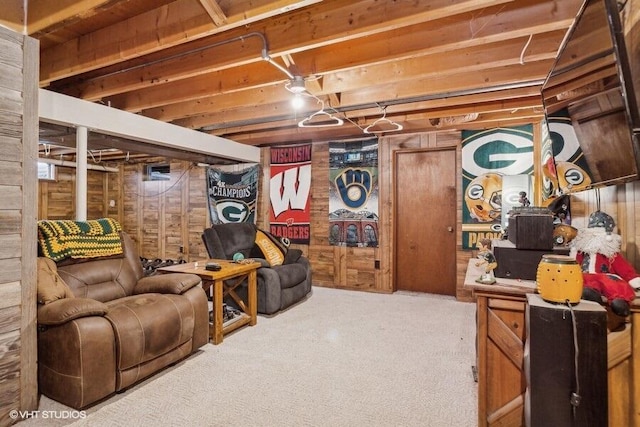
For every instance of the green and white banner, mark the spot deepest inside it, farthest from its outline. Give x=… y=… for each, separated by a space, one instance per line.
x=232 y=193
x=488 y=156
x=571 y=168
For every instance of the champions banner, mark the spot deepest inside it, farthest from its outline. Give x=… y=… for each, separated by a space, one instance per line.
x=353 y=193
x=289 y=192
x=487 y=157
x=232 y=193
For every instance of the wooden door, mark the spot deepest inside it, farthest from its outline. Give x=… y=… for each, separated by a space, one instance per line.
x=425 y=221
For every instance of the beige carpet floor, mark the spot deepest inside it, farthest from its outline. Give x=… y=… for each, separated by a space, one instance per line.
x=340 y=358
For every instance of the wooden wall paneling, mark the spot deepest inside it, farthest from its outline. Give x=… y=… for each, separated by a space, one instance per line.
x=18 y=212
x=150 y=207
x=173 y=215
x=635 y=217
x=112 y=185
x=95 y=194
x=619 y=387
x=635 y=368
x=263 y=208
x=384 y=253
x=132 y=198
x=626 y=225
x=28 y=333
x=160 y=224
x=198 y=215
x=57 y=198
x=43 y=199
x=321 y=255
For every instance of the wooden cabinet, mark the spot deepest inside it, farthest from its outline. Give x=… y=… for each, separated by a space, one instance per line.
x=501 y=335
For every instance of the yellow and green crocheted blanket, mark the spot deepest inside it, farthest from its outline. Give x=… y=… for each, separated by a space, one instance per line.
x=60 y=239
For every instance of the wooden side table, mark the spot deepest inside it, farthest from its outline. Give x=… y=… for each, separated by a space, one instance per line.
x=216 y=279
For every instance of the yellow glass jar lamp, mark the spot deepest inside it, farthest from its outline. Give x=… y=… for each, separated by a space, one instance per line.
x=559 y=278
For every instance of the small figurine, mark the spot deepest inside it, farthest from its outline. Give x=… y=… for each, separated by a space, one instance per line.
x=524 y=201
x=488 y=260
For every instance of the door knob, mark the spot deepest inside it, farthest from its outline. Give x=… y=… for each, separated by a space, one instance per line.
x=450 y=229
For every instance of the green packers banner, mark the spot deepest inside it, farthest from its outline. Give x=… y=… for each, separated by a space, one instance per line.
x=547 y=160
x=353 y=193
x=570 y=170
x=289 y=193
x=232 y=193
x=487 y=157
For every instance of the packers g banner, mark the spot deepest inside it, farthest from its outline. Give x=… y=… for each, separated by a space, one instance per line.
x=289 y=193
x=547 y=160
x=232 y=193
x=571 y=168
x=353 y=193
x=488 y=156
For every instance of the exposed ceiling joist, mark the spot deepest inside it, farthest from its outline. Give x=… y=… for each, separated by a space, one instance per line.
x=171 y=60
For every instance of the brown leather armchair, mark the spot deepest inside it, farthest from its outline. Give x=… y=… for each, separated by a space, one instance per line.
x=118 y=328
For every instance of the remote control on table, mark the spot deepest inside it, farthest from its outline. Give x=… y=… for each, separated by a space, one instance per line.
x=213 y=266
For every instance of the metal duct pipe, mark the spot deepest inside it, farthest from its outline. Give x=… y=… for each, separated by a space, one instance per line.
x=70 y=164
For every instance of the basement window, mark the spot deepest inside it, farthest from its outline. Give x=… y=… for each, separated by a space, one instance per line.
x=157 y=172
x=46 y=171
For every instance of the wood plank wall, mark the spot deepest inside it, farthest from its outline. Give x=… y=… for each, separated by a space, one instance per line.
x=18 y=152
x=165 y=216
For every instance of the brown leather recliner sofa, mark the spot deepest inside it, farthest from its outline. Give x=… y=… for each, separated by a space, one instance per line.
x=118 y=328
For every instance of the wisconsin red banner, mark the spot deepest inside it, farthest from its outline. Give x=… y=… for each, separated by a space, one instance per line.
x=290 y=186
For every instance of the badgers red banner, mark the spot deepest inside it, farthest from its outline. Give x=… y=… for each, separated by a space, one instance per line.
x=290 y=187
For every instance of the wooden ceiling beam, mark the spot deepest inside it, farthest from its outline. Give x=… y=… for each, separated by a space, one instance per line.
x=468 y=60
x=169 y=25
x=229 y=119
x=407 y=89
x=418 y=40
x=434 y=110
x=261 y=74
x=295 y=134
x=182 y=21
x=47 y=14
x=447 y=85
x=215 y=12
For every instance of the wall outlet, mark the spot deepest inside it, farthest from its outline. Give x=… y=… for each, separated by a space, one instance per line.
x=181 y=249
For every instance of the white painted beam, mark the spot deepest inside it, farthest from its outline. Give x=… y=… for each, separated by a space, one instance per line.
x=81 y=173
x=68 y=111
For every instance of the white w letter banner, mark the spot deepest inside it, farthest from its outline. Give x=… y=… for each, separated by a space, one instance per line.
x=232 y=193
x=353 y=193
x=487 y=157
x=289 y=190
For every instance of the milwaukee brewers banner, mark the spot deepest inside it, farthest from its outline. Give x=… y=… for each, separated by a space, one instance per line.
x=289 y=191
x=488 y=156
x=353 y=193
x=232 y=193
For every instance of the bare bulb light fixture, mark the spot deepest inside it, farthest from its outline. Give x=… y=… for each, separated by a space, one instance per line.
x=296 y=85
x=297 y=102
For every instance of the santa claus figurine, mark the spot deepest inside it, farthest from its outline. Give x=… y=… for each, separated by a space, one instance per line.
x=605 y=271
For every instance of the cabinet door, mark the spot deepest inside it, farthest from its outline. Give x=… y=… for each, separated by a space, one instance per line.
x=502 y=383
